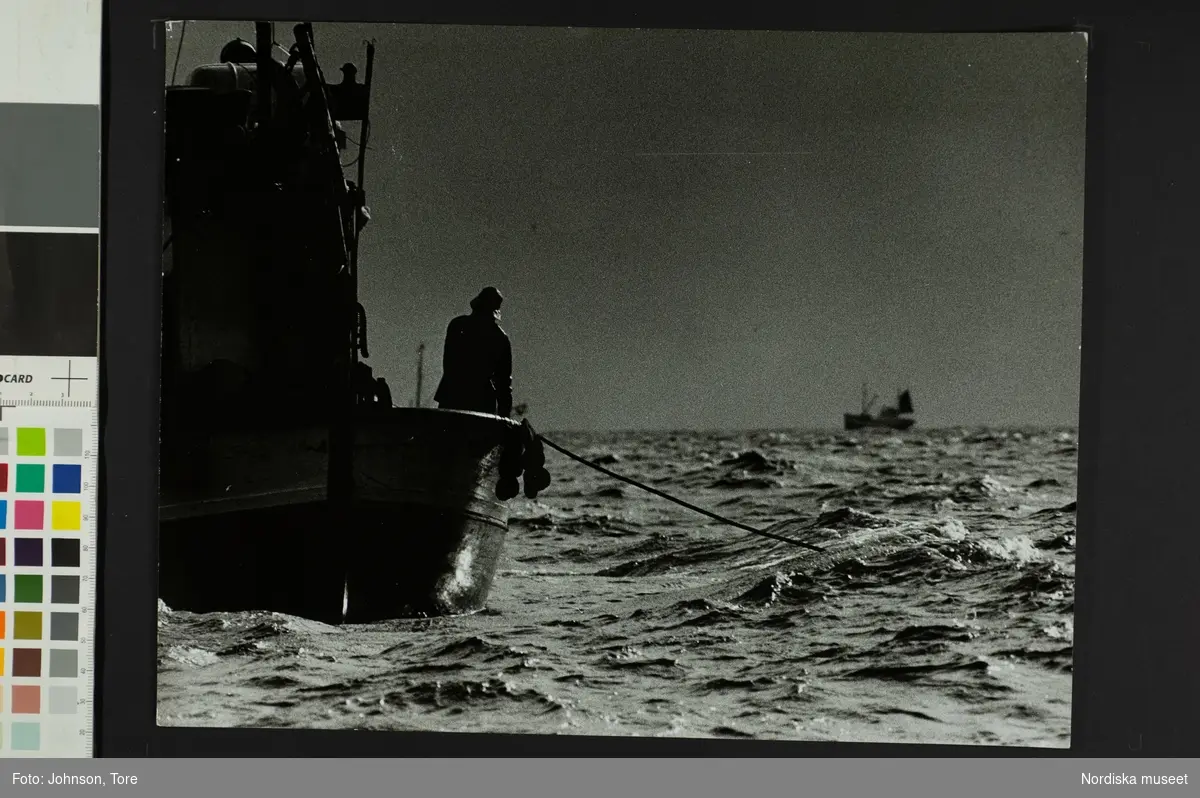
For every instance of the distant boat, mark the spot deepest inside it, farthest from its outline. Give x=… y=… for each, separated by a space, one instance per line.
x=897 y=418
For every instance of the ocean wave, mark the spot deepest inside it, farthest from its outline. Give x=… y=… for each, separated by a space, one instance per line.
x=459 y=694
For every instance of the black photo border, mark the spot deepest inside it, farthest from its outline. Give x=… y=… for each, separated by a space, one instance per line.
x=1136 y=688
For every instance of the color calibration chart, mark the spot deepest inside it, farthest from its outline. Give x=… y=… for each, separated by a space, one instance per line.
x=50 y=64
x=49 y=428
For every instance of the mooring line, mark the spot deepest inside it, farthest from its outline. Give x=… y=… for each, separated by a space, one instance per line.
x=671 y=498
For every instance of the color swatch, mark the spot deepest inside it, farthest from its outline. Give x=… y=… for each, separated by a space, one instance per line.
x=47 y=559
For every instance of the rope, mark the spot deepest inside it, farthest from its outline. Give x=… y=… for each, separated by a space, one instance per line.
x=670 y=498
x=179 y=51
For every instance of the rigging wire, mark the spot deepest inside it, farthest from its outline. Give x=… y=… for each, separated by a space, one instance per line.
x=178 y=51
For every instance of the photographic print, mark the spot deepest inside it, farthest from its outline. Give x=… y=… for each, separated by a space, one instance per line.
x=615 y=382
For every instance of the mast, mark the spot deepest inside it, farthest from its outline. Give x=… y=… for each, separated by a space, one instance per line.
x=263 y=45
x=420 y=370
x=345 y=301
x=364 y=132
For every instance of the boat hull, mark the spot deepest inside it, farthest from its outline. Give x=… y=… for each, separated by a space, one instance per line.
x=420 y=561
x=854 y=421
x=285 y=558
x=429 y=526
x=422 y=536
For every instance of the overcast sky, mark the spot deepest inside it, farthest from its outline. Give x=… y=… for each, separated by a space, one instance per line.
x=726 y=230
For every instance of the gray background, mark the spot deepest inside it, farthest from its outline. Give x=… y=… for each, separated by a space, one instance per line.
x=49 y=165
x=1135 y=681
x=687 y=778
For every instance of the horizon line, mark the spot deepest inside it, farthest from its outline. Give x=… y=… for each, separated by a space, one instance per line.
x=821 y=430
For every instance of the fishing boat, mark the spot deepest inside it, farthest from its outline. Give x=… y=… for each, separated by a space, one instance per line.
x=893 y=418
x=288 y=480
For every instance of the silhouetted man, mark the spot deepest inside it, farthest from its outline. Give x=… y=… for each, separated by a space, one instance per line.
x=477 y=360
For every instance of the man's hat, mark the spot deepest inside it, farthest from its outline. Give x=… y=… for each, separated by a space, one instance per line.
x=488 y=299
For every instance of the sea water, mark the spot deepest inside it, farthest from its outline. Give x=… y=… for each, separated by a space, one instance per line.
x=941 y=610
